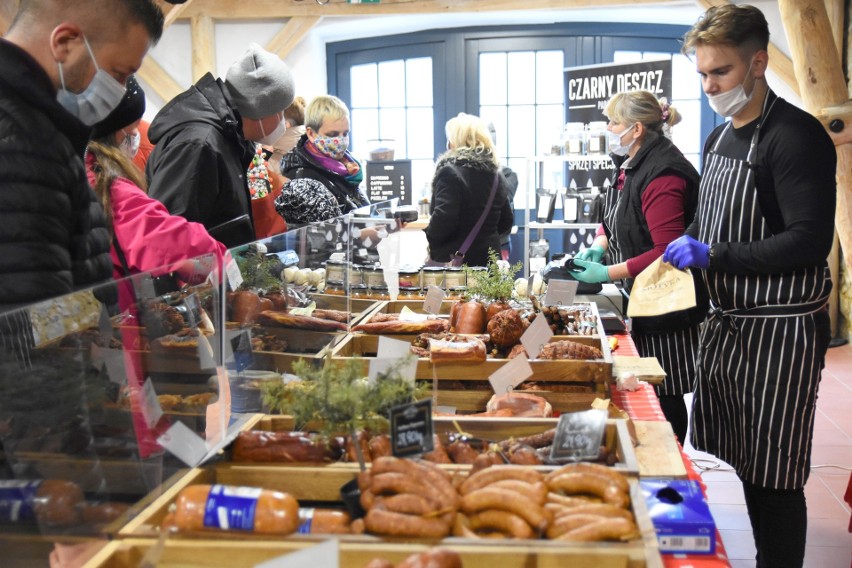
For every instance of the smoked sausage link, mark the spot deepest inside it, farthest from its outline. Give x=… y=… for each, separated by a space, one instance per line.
x=274 y=512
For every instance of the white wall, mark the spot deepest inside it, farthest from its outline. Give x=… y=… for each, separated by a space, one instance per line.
x=308 y=60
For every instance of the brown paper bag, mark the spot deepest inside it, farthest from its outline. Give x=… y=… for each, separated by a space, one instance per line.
x=661 y=289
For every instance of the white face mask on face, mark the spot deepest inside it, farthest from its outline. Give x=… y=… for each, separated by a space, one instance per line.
x=615 y=145
x=732 y=102
x=98 y=100
x=130 y=144
x=272 y=137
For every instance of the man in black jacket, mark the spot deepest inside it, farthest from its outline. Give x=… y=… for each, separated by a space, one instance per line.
x=205 y=140
x=62 y=68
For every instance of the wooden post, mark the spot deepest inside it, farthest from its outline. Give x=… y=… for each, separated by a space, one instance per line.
x=822 y=85
x=203 y=46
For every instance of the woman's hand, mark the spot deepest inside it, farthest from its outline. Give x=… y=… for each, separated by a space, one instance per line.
x=593 y=272
x=594 y=253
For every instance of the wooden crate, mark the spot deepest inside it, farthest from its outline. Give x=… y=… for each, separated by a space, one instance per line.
x=175 y=553
x=322 y=483
x=616 y=435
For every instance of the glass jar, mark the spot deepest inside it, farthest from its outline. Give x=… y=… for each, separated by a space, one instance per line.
x=456 y=293
x=454 y=277
x=410 y=293
x=433 y=276
x=409 y=276
x=355 y=274
x=597 y=140
x=373 y=276
x=358 y=292
x=474 y=275
x=378 y=293
x=335 y=270
x=335 y=287
x=574 y=138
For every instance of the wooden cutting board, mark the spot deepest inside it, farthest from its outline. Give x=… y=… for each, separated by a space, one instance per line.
x=657 y=453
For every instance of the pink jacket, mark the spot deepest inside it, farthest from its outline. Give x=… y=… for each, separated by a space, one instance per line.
x=152 y=239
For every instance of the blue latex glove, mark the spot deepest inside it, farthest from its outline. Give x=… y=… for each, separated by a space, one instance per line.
x=594 y=272
x=594 y=253
x=686 y=251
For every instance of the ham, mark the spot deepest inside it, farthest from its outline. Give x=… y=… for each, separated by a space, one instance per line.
x=521 y=404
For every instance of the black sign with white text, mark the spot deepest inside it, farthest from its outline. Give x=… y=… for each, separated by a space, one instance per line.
x=389 y=180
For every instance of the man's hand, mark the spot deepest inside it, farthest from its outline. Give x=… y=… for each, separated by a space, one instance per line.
x=594 y=253
x=686 y=251
x=593 y=272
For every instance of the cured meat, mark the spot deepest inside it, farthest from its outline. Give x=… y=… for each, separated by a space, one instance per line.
x=506 y=328
x=407 y=327
x=521 y=404
x=300 y=322
x=567 y=349
x=333 y=315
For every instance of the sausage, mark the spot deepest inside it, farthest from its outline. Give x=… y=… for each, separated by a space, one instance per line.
x=461 y=452
x=275 y=512
x=485 y=460
x=407 y=503
x=438 y=453
x=597 y=469
x=524 y=455
x=102 y=513
x=435 y=483
x=367 y=499
x=406 y=327
x=379 y=563
x=323 y=521
x=389 y=523
x=363 y=442
x=505 y=500
x=379 y=446
x=399 y=483
x=496 y=473
x=286 y=447
x=536 y=440
x=601 y=509
x=55 y=501
x=569 y=501
x=567 y=523
x=576 y=482
x=434 y=558
x=535 y=492
x=505 y=522
x=286 y=319
x=604 y=529
x=434 y=476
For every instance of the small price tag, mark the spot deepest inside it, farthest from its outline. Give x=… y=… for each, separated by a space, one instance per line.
x=151 y=409
x=205 y=354
x=510 y=375
x=536 y=335
x=560 y=292
x=243 y=354
x=114 y=361
x=326 y=555
x=193 y=310
x=389 y=352
x=432 y=303
x=185 y=444
x=579 y=435
x=407 y=314
x=411 y=428
x=232 y=271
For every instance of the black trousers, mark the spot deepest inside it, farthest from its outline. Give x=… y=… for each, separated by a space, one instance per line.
x=779 y=521
x=674 y=409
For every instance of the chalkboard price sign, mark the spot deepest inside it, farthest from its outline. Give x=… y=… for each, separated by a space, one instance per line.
x=243 y=354
x=411 y=428
x=579 y=435
x=389 y=180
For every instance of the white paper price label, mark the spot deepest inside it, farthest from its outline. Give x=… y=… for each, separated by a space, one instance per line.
x=326 y=555
x=432 y=303
x=151 y=410
x=560 y=292
x=114 y=361
x=510 y=375
x=232 y=271
x=406 y=314
x=185 y=444
x=389 y=352
x=536 y=335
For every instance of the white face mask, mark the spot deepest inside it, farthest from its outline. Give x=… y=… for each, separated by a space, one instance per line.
x=615 y=145
x=98 y=100
x=732 y=102
x=272 y=137
x=130 y=144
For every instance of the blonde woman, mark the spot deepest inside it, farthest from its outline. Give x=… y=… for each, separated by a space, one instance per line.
x=461 y=190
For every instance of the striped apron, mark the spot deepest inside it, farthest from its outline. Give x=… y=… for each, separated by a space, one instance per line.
x=675 y=350
x=763 y=347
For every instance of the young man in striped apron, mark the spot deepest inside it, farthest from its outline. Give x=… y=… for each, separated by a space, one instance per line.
x=763 y=230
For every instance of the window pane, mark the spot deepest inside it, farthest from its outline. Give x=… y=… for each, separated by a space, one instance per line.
x=686 y=82
x=422 y=172
x=392 y=127
x=548 y=77
x=686 y=134
x=627 y=56
x=492 y=79
x=520 y=166
x=418 y=77
x=549 y=124
x=421 y=141
x=497 y=116
x=392 y=83
x=521 y=137
x=521 y=68
x=365 y=126
x=364 y=85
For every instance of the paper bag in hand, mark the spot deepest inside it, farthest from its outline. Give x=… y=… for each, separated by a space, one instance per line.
x=661 y=289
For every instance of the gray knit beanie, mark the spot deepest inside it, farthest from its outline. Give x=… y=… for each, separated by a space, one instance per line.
x=260 y=84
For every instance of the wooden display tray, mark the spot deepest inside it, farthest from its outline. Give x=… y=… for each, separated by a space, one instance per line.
x=616 y=436
x=315 y=484
x=177 y=553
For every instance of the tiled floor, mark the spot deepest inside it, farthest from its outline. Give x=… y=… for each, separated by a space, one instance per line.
x=829 y=544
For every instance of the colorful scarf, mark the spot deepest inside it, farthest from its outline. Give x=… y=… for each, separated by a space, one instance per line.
x=347 y=167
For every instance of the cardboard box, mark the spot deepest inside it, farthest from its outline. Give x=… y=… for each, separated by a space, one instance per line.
x=680 y=515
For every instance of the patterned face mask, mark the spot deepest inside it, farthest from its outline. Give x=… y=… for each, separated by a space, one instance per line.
x=332 y=146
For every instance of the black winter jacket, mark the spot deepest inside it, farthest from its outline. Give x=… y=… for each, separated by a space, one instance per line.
x=53 y=235
x=200 y=158
x=460 y=191
x=298 y=163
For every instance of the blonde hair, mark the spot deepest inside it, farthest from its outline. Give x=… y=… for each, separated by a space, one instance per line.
x=469 y=131
x=743 y=27
x=323 y=107
x=295 y=113
x=111 y=163
x=631 y=107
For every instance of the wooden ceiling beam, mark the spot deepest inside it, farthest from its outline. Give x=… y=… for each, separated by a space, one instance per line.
x=173 y=11
x=291 y=34
x=222 y=9
x=158 y=79
x=203 y=46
